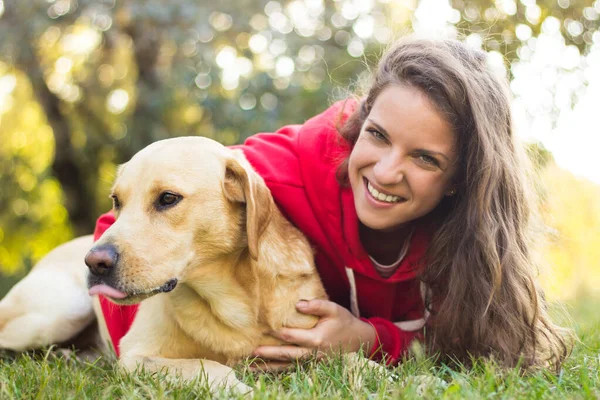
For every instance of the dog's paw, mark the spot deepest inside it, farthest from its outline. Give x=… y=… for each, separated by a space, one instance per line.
x=427 y=384
x=220 y=376
x=231 y=383
x=356 y=366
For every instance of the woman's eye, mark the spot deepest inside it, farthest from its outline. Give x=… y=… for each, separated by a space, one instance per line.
x=376 y=134
x=168 y=199
x=428 y=160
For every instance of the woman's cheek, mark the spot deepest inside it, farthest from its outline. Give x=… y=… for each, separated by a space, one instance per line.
x=354 y=162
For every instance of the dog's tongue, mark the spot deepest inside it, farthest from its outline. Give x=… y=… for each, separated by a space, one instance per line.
x=107 y=291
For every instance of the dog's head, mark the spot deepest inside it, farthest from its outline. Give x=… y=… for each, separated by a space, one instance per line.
x=179 y=203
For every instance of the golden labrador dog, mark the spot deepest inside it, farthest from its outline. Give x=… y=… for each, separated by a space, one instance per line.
x=200 y=243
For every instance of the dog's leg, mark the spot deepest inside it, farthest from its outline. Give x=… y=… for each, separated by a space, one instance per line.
x=356 y=366
x=51 y=304
x=217 y=374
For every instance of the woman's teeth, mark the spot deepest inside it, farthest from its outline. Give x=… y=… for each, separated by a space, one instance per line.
x=382 y=197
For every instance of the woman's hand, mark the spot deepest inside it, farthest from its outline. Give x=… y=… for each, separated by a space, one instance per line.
x=337 y=330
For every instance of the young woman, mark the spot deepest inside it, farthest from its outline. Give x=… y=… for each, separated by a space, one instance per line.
x=415 y=199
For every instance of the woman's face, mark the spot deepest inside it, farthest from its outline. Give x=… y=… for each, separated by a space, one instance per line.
x=403 y=161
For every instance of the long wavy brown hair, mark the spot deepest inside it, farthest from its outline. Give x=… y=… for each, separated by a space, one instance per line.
x=479 y=267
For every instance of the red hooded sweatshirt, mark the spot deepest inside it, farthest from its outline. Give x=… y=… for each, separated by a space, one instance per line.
x=299 y=165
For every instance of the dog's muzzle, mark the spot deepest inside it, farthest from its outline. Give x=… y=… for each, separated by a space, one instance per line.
x=102 y=260
x=167 y=287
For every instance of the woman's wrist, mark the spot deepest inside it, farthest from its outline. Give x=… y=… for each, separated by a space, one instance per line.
x=366 y=337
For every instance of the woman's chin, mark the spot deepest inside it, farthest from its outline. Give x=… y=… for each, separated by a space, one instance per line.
x=380 y=224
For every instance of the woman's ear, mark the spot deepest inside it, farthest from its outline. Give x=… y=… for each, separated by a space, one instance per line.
x=243 y=185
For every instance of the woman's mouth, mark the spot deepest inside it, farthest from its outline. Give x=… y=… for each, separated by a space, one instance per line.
x=382 y=197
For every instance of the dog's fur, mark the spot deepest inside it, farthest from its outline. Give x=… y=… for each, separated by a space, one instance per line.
x=240 y=267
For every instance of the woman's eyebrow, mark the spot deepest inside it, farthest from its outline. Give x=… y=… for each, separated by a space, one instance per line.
x=379 y=127
x=382 y=130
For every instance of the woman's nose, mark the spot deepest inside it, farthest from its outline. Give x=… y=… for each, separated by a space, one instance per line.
x=389 y=170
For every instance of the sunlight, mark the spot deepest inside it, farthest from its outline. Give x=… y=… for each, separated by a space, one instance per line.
x=433 y=18
x=258 y=43
x=509 y=7
x=117 y=101
x=220 y=21
x=364 y=26
x=203 y=80
x=284 y=66
x=63 y=65
x=556 y=89
x=7 y=85
x=81 y=41
x=226 y=56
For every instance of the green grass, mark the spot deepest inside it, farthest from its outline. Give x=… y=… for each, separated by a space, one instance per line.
x=48 y=376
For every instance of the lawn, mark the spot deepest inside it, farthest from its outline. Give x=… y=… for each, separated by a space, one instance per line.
x=46 y=375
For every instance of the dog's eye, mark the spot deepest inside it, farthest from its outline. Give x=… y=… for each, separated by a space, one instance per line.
x=116 y=203
x=167 y=199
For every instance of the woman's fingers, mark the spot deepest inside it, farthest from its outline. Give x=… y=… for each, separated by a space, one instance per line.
x=320 y=308
x=282 y=353
x=259 y=365
x=310 y=338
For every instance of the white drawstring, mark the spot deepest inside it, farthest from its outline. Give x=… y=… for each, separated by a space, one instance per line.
x=410 y=326
x=353 y=296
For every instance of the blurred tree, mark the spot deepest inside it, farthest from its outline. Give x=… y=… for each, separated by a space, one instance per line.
x=505 y=25
x=108 y=77
x=571 y=254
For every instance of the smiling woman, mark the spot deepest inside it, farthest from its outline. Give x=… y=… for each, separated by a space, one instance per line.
x=415 y=200
x=403 y=162
x=439 y=121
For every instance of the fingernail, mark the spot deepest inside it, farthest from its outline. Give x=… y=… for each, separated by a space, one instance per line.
x=302 y=304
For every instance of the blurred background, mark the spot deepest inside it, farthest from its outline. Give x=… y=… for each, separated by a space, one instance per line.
x=86 y=84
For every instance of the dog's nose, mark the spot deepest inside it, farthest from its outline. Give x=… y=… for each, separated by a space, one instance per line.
x=102 y=259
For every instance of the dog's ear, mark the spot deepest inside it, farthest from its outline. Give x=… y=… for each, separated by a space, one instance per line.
x=243 y=185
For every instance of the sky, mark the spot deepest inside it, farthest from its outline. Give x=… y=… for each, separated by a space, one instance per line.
x=556 y=90
x=553 y=75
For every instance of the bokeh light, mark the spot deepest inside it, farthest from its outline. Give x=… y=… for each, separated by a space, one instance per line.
x=117 y=101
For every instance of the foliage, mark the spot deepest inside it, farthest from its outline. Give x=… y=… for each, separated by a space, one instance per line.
x=48 y=376
x=33 y=194
x=572 y=213
x=85 y=84
x=505 y=25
